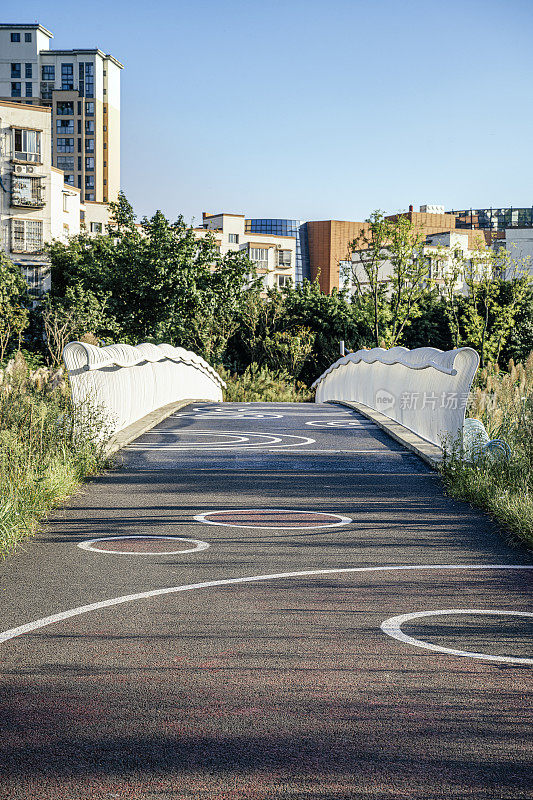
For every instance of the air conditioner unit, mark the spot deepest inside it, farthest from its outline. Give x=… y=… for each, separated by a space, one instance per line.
x=23 y=170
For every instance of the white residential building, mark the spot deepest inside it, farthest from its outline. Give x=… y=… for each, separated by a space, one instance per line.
x=36 y=205
x=82 y=88
x=519 y=244
x=273 y=255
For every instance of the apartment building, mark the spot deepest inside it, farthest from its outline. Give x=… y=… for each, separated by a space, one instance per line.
x=274 y=255
x=330 y=240
x=35 y=203
x=82 y=90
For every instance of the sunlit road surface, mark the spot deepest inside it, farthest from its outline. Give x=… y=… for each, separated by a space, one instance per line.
x=266 y=601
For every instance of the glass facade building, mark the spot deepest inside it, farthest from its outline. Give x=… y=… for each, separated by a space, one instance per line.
x=287 y=227
x=493 y=219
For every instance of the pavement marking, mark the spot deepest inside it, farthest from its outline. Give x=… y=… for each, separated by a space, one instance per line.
x=29 y=627
x=392 y=627
x=222 y=413
x=90 y=545
x=271 y=440
x=334 y=519
x=341 y=423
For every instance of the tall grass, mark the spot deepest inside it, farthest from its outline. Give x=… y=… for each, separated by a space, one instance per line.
x=46 y=448
x=260 y=384
x=503 y=401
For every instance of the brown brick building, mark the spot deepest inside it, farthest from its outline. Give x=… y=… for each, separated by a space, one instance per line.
x=329 y=241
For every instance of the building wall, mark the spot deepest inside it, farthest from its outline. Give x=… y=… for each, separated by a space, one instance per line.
x=25 y=229
x=329 y=243
x=519 y=245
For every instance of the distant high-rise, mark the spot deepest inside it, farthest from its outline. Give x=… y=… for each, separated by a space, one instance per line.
x=82 y=87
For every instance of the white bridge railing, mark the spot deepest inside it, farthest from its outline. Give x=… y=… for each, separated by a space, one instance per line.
x=126 y=383
x=426 y=389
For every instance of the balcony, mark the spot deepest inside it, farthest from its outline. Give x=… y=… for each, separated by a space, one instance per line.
x=27 y=193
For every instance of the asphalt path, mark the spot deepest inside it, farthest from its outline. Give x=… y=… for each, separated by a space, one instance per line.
x=266 y=601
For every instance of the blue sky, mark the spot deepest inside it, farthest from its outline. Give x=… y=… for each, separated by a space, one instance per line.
x=314 y=110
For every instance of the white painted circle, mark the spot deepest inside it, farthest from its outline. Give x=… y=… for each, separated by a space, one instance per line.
x=235 y=440
x=91 y=545
x=223 y=413
x=392 y=627
x=340 y=520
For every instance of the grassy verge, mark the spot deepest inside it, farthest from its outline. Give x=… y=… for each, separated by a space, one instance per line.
x=259 y=384
x=504 y=403
x=46 y=450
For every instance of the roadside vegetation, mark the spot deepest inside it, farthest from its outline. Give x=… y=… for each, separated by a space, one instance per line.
x=503 y=401
x=259 y=384
x=46 y=448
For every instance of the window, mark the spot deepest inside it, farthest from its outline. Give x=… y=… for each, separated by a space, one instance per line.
x=89 y=195
x=79 y=126
x=27 y=145
x=65 y=145
x=15 y=37
x=65 y=202
x=79 y=108
x=89 y=126
x=27 y=191
x=89 y=163
x=89 y=181
x=48 y=72
x=27 y=37
x=28 y=71
x=259 y=256
x=79 y=181
x=86 y=78
x=65 y=108
x=26 y=236
x=65 y=126
x=29 y=89
x=16 y=89
x=284 y=258
x=79 y=163
x=67 y=77
x=66 y=163
x=89 y=145
x=283 y=280
x=69 y=179
x=233 y=238
x=15 y=70
x=96 y=227
x=66 y=230
x=89 y=109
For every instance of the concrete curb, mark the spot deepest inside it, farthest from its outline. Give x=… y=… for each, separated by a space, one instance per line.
x=136 y=429
x=430 y=453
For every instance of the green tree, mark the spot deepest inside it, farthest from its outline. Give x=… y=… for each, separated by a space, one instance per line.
x=157 y=280
x=14 y=301
x=497 y=286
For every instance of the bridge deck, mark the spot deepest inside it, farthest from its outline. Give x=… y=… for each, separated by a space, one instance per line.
x=256 y=666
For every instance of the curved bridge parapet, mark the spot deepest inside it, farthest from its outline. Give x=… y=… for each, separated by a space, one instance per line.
x=126 y=383
x=425 y=390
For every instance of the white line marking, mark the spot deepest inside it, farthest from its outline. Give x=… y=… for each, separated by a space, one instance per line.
x=12 y=633
x=89 y=545
x=202 y=518
x=271 y=440
x=392 y=627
